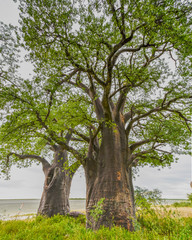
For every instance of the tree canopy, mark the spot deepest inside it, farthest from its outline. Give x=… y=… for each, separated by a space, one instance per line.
x=119 y=56
x=117 y=74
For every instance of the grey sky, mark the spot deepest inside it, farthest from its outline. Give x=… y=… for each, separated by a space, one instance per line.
x=28 y=182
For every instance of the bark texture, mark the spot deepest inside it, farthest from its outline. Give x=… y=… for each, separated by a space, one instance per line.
x=55 y=196
x=108 y=176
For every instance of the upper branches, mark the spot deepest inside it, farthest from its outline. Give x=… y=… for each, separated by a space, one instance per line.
x=164 y=107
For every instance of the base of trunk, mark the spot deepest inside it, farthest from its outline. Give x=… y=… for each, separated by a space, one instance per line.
x=110 y=201
x=112 y=214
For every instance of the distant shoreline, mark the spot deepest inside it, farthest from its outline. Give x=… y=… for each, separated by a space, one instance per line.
x=36 y=199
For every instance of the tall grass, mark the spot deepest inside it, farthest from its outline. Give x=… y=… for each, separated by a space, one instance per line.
x=151 y=224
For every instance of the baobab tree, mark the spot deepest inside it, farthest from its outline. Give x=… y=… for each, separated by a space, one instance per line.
x=23 y=138
x=114 y=55
x=23 y=141
x=58 y=178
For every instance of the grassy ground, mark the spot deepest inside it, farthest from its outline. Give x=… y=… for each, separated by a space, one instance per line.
x=151 y=224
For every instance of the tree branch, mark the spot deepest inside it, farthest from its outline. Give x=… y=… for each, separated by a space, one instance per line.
x=121 y=25
x=44 y=162
x=85 y=138
x=95 y=99
x=67 y=78
x=49 y=106
x=182 y=116
x=130 y=50
x=157 y=109
x=138 y=144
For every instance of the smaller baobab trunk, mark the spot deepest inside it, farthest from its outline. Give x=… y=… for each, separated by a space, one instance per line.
x=55 y=196
x=58 y=178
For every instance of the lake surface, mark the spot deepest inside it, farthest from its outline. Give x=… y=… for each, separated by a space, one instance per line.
x=11 y=207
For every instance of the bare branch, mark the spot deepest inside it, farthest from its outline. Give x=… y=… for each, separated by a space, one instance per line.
x=44 y=162
x=118 y=90
x=67 y=78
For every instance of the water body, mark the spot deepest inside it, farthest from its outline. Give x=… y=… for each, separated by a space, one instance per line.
x=11 y=207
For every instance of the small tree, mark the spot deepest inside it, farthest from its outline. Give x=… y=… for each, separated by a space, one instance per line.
x=189 y=197
x=144 y=196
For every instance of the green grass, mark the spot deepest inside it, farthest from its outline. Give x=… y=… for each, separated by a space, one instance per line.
x=150 y=225
x=182 y=204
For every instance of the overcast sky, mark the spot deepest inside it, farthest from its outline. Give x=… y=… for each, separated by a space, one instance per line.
x=28 y=182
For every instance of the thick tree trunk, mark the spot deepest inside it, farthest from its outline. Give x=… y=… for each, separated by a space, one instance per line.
x=55 y=196
x=109 y=177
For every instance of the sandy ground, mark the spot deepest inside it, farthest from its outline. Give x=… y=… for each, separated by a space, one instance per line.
x=178 y=211
x=183 y=211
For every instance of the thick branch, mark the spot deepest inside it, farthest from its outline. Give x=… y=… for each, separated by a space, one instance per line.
x=130 y=50
x=122 y=98
x=49 y=106
x=85 y=138
x=99 y=81
x=138 y=144
x=67 y=78
x=68 y=136
x=95 y=99
x=127 y=116
x=44 y=162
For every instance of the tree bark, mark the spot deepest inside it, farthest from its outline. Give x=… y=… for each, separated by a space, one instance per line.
x=109 y=177
x=55 y=196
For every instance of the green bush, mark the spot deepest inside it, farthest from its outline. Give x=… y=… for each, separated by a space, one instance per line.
x=182 y=204
x=189 y=197
x=143 y=196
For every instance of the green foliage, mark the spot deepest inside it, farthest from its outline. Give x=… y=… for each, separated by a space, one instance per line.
x=189 y=197
x=163 y=222
x=112 y=57
x=97 y=210
x=63 y=35
x=182 y=204
x=8 y=51
x=146 y=198
x=152 y=226
x=187 y=203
